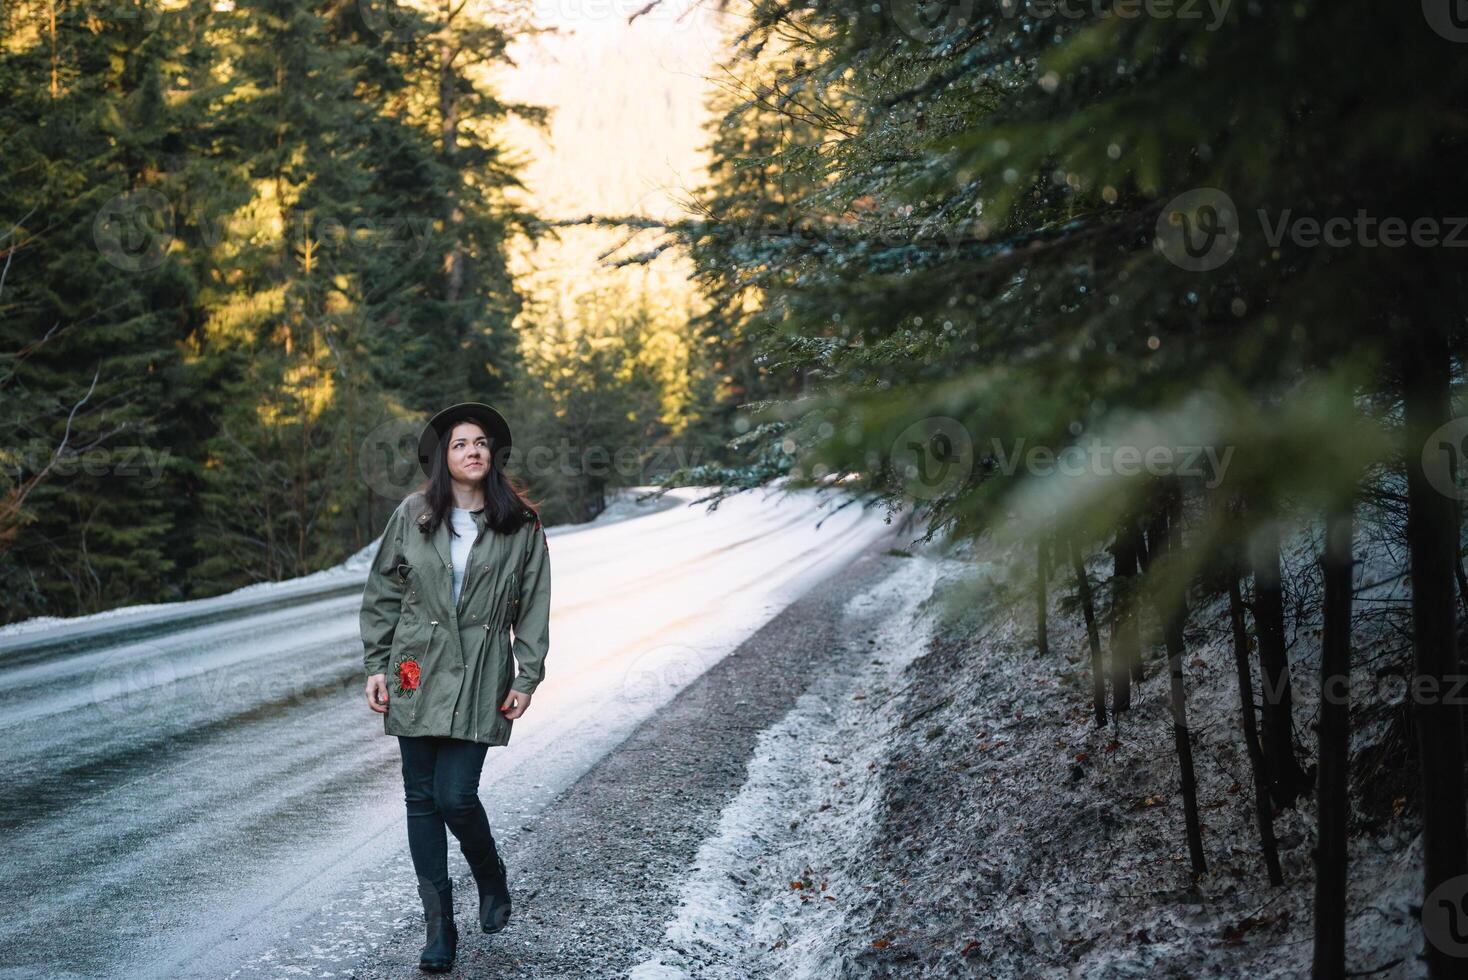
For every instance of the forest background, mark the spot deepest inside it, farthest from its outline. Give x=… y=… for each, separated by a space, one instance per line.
x=1021 y=266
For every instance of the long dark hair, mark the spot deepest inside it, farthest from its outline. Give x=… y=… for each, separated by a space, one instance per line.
x=506 y=506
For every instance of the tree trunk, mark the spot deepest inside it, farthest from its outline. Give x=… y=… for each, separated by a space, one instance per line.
x=1139 y=550
x=1126 y=643
x=1432 y=532
x=1088 y=609
x=1287 y=780
x=1335 y=739
x=448 y=114
x=1263 y=811
x=1173 y=611
x=1150 y=537
x=1042 y=576
x=1462 y=579
x=1139 y=541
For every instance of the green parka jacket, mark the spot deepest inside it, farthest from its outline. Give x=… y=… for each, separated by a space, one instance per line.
x=448 y=665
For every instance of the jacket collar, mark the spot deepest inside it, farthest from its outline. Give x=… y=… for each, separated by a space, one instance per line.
x=441 y=541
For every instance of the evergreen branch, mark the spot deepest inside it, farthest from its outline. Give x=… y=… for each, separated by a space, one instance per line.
x=10 y=251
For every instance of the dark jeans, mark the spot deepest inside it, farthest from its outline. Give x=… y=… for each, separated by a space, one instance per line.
x=441 y=788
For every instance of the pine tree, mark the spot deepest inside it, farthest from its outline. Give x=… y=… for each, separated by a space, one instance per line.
x=1091 y=237
x=94 y=303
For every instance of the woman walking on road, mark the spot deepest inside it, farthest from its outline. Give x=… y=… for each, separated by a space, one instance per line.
x=463 y=562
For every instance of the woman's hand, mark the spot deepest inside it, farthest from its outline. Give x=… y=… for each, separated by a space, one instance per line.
x=377 y=693
x=515 y=704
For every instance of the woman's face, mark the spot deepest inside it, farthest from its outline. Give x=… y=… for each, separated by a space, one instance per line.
x=468 y=454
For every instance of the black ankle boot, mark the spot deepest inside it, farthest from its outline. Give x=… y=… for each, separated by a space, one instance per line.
x=494 y=891
x=443 y=935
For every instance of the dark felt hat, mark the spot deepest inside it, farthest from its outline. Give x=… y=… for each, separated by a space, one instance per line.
x=443 y=423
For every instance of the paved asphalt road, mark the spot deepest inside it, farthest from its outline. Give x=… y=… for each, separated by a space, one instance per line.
x=217 y=801
x=597 y=880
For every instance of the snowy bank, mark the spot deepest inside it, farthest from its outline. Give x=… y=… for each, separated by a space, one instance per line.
x=624 y=505
x=954 y=810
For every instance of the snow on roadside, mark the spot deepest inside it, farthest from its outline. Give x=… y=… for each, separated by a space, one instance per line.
x=1018 y=839
x=765 y=895
x=622 y=506
x=977 y=823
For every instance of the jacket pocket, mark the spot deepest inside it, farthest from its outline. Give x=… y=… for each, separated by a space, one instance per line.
x=407 y=674
x=512 y=608
x=409 y=582
x=505 y=678
x=506 y=665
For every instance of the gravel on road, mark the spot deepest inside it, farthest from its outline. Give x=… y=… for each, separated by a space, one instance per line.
x=596 y=877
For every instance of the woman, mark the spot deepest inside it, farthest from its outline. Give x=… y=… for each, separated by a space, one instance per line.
x=463 y=561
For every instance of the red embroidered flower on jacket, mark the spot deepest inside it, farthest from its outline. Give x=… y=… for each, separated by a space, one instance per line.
x=408 y=675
